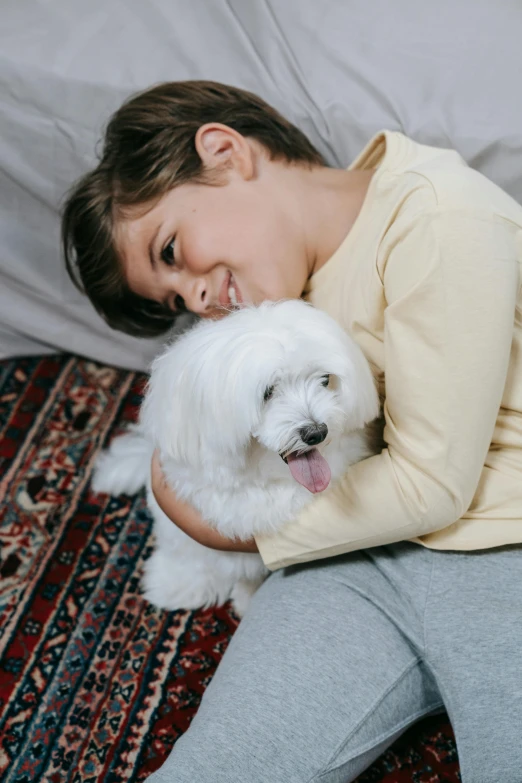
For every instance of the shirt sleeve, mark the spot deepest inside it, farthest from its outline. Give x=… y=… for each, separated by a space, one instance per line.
x=450 y=283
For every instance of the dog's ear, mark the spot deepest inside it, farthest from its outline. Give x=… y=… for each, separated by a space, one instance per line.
x=338 y=353
x=165 y=413
x=202 y=400
x=358 y=386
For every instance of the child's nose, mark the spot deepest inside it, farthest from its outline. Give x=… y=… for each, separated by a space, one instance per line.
x=195 y=292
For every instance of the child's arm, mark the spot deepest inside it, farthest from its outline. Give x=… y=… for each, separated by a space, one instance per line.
x=450 y=281
x=188 y=519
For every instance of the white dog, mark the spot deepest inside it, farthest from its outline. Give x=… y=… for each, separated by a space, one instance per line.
x=251 y=415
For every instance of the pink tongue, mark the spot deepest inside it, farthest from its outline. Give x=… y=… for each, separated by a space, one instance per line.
x=310 y=469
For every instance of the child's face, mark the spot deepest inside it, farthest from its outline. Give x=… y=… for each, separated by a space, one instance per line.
x=245 y=234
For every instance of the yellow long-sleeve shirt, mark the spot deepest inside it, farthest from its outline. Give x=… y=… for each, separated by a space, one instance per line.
x=428 y=284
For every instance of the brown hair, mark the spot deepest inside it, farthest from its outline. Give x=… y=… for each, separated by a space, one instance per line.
x=148 y=150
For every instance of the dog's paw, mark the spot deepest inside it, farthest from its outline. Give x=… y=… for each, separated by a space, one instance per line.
x=173 y=585
x=124 y=467
x=106 y=476
x=241 y=595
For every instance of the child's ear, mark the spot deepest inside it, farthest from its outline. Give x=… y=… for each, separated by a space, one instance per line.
x=221 y=148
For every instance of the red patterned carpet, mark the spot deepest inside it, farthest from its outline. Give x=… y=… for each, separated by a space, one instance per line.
x=96 y=686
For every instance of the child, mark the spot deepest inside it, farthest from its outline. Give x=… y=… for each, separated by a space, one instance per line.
x=206 y=197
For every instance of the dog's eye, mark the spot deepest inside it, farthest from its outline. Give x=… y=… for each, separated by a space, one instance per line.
x=268 y=393
x=325 y=380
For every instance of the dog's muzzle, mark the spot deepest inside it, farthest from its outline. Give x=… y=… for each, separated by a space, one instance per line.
x=311 y=435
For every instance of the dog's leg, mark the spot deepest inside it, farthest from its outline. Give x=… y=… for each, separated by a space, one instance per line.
x=242 y=593
x=173 y=582
x=125 y=466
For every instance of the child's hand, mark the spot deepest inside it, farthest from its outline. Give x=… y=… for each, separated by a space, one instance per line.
x=188 y=519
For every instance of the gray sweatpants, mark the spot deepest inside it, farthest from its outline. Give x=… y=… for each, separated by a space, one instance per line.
x=335 y=659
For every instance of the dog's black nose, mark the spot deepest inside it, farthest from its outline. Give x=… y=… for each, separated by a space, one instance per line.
x=313 y=434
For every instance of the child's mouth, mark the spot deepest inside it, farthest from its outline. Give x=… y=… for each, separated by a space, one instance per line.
x=230 y=295
x=234 y=294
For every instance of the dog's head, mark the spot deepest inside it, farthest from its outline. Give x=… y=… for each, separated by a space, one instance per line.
x=283 y=374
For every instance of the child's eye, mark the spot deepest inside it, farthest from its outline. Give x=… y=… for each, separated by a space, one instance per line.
x=167 y=254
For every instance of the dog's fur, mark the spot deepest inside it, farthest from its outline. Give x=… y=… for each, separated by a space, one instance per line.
x=221 y=436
